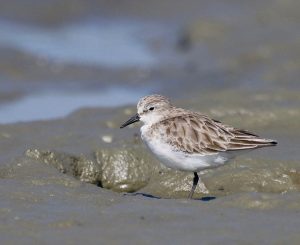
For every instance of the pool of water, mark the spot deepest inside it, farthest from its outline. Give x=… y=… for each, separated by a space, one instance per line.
x=94 y=42
x=55 y=104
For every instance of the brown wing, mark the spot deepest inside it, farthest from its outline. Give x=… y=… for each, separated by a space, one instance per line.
x=196 y=133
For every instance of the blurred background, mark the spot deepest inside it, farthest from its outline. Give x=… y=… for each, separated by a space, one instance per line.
x=61 y=55
x=73 y=71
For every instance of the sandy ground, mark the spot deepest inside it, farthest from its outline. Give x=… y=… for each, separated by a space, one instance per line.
x=80 y=179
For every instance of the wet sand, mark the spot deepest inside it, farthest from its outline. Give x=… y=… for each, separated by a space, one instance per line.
x=74 y=177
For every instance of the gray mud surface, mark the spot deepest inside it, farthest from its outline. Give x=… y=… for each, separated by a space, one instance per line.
x=79 y=178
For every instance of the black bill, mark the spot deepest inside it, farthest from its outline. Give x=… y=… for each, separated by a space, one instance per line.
x=131 y=120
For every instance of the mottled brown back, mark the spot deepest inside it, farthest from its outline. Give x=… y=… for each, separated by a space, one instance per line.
x=192 y=132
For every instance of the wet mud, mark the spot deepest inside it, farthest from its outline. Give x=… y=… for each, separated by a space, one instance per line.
x=75 y=177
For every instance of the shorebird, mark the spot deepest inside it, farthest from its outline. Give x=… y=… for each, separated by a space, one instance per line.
x=187 y=140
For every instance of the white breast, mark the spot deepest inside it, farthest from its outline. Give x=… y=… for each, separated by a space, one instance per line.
x=177 y=159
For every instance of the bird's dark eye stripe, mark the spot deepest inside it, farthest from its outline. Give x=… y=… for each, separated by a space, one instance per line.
x=151 y=108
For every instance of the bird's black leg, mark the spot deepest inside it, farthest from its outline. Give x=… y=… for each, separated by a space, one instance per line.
x=195 y=182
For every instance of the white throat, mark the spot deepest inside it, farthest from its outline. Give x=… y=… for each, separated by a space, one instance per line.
x=150 y=118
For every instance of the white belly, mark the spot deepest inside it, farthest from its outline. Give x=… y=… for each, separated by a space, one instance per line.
x=181 y=160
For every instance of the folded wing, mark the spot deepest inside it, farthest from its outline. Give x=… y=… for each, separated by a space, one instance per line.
x=196 y=133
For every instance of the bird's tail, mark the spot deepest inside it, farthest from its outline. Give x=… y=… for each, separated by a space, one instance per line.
x=246 y=140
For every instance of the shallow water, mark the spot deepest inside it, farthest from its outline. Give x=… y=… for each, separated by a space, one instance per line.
x=107 y=43
x=56 y=104
x=68 y=173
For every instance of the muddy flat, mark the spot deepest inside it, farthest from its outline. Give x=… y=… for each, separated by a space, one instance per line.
x=72 y=72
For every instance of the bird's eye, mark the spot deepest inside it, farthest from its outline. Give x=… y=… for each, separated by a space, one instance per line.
x=151 y=108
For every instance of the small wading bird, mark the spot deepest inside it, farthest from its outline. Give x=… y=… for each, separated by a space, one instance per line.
x=187 y=140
